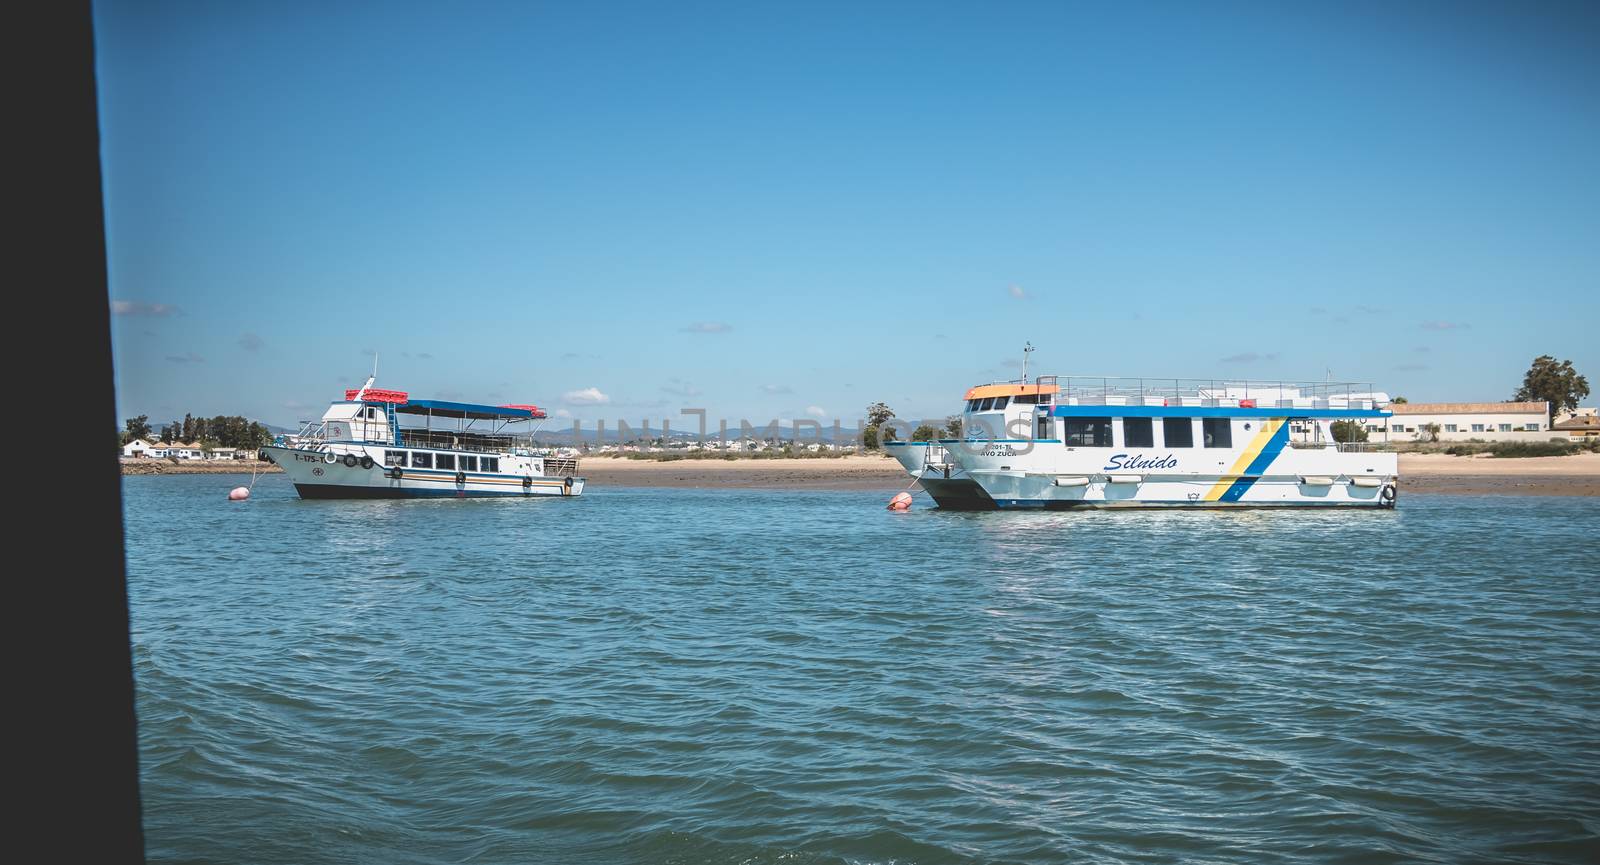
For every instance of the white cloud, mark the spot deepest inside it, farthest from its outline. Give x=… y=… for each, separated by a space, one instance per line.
x=586 y=396
x=563 y=413
x=708 y=327
x=137 y=307
x=250 y=342
x=1017 y=292
x=1249 y=357
x=816 y=411
x=775 y=389
x=679 y=387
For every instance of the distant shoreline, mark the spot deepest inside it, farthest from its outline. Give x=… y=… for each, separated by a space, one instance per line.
x=1577 y=475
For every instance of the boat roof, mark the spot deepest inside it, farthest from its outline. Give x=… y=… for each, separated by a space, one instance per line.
x=1293 y=412
x=470 y=411
x=987 y=390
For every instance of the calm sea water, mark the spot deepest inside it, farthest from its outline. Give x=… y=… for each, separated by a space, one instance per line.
x=682 y=676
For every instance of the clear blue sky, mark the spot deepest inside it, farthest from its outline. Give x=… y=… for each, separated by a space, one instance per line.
x=767 y=209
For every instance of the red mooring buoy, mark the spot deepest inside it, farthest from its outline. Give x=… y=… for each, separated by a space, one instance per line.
x=239 y=494
x=900 y=502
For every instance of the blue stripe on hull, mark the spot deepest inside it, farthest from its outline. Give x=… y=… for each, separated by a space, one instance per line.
x=1067 y=505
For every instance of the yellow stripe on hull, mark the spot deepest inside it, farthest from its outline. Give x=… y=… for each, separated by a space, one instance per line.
x=1268 y=429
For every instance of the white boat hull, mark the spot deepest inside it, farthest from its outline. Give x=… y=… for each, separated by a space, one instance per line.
x=326 y=474
x=946 y=482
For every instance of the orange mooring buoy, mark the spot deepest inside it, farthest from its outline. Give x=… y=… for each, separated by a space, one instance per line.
x=900 y=502
x=239 y=494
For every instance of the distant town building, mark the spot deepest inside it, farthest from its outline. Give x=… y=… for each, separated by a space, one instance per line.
x=1462 y=421
x=137 y=448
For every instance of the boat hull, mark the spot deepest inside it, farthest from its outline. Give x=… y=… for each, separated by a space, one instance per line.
x=946 y=483
x=314 y=477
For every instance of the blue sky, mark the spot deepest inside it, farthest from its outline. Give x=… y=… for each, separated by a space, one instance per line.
x=617 y=210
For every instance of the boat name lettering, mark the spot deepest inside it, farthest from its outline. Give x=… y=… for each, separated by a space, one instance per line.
x=1140 y=461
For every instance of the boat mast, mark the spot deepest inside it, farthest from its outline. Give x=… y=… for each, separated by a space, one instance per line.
x=1027 y=348
x=370 y=379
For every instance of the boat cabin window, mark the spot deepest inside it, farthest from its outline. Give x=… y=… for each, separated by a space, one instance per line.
x=986 y=403
x=972 y=404
x=1000 y=401
x=394 y=458
x=1177 y=432
x=491 y=464
x=372 y=413
x=469 y=464
x=421 y=460
x=1219 y=432
x=446 y=461
x=1138 y=432
x=1087 y=432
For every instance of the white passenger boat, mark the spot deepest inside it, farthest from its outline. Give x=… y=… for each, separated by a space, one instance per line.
x=359 y=449
x=1068 y=442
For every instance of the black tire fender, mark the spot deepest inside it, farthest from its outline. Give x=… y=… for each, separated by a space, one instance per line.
x=461 y=477
x=397 y=472
x=367 y=462
x=350 y=460
x=1387 y=493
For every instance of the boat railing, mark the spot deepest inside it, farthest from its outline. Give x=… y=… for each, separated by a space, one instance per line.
x=560 y=467
x=1362 y=447
x=446 y=440
x=1203 y=391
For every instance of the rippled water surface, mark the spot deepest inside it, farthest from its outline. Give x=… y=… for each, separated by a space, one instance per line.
x=679 y=676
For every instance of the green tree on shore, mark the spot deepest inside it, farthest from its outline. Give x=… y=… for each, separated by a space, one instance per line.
x=1555 y=383
x=924 y=433
x=873 y=433
x=136 y=428
x=952 y=427
x=1348 y=431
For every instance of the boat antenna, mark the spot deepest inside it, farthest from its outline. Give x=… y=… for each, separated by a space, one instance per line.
x=1027 y=347
x=370 y=379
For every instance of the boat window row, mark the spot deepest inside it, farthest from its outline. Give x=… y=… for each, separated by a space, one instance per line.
x=996 y=402
x=1139 y=432
x=448 y=462
x=989 y=403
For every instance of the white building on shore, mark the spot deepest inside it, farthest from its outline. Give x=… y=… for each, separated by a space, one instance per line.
x=1463 y=421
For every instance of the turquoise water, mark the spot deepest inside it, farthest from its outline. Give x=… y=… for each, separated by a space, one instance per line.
x=680 y=676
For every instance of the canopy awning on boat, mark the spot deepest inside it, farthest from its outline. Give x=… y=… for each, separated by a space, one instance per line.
x=470 y=411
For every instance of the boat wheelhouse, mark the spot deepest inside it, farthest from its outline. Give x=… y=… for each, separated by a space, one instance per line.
x=1074 y=441
x=361 y=448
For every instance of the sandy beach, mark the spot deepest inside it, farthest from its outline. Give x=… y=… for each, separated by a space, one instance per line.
x=1577 y=475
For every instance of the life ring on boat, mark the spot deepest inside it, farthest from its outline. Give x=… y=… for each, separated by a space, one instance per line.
x=1387 y=494
x=330 y=458
x=461 y=477
x=366 y=462
x=397 y=472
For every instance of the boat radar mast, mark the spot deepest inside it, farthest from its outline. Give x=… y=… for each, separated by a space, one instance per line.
x=1027 y=348
x=370 y=379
